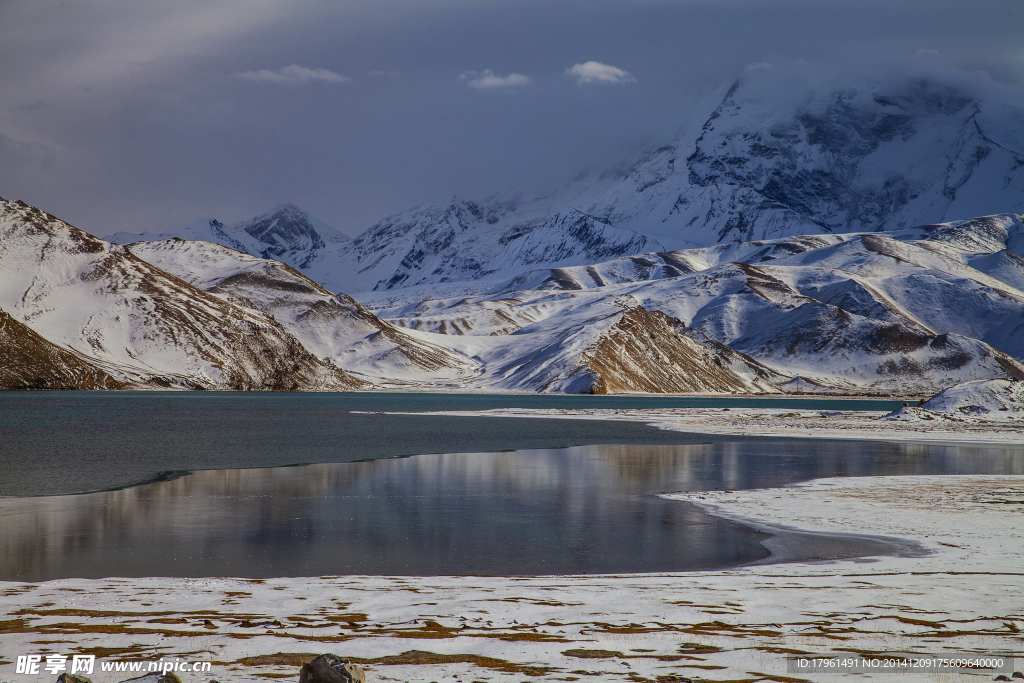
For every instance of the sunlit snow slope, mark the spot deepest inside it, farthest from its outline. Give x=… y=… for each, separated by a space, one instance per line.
x=138 y=324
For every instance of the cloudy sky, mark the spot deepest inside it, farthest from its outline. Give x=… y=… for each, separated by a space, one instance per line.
x=142 y=115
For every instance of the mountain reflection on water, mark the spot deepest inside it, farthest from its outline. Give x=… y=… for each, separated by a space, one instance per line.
x=576 y=510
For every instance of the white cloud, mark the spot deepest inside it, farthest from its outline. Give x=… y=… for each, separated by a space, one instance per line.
x=754 y=66
x=925 y=53
x=487 y=80
x=293 y=75
x=596 y=72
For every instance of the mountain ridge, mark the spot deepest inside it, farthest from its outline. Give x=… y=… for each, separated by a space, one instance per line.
x=138 y=323
x=786 y=151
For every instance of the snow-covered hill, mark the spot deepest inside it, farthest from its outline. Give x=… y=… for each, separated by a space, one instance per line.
x=201 y=230
x=626 y=349
x=997 y=399
x=138 y=323
x=330 y=326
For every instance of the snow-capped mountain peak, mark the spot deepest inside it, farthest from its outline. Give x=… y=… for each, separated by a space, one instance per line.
x=798 y=149
x=287 y=233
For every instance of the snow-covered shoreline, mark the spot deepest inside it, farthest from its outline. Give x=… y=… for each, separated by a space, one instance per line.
x=963 y=595
x=779 y=422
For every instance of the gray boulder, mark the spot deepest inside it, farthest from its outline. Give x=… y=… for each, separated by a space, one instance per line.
x=331 y=669
x=157 y=677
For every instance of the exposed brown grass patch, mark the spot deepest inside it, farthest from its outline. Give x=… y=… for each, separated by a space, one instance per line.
x=14 y=626
x=347 y=617
x=581 y=653
x=525 y=637
x=420 y=657
x=783 y=651
x=779 y=679
x=430 y=629
x=534 y=601
x=279 y=659
x=698 y=648
x=101 y=652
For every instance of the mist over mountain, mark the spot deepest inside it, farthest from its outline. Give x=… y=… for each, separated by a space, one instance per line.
x=789 y=150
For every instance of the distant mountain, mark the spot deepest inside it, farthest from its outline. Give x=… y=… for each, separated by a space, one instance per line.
x=289 y=234
x=791 y=150
x=284 y=233
x=846 y=160
x=101 y=304
x=460 y=241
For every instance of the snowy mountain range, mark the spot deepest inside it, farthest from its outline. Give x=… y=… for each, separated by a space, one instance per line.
x=907 y=311
x=814 y=235
x=785 y=151
x=911 y=310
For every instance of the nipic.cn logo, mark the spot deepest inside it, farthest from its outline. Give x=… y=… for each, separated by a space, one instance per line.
x=55 y=664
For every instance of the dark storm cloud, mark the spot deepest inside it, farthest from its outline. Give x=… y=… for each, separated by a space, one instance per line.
x=143 y=115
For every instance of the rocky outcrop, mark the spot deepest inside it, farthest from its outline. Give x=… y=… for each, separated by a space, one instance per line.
x=650 y=352
x=73 y=678
x=329 y=668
